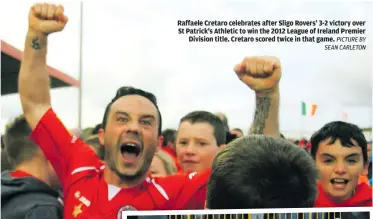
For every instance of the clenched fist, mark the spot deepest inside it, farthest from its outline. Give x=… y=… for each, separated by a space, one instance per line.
x=47 y=18
x=261 y=74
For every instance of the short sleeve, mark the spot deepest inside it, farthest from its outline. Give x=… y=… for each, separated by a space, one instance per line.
x=66 y=152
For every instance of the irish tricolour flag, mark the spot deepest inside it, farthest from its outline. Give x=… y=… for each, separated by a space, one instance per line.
x=308 y=109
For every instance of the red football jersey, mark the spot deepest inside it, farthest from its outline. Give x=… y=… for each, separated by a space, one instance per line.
x=87 y=195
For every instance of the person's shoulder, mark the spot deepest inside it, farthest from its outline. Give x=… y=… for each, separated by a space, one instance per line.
x=26 y=203
x=45 y=211
x=42 y=198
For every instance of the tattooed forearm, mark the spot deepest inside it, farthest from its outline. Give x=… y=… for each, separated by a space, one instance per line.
x=263 y=105
x=35 y=44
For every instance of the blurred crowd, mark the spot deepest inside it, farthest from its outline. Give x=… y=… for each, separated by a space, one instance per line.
x=165 y=161
x=175 y=158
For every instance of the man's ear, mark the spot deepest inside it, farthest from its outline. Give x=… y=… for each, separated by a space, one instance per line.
x=101 y=134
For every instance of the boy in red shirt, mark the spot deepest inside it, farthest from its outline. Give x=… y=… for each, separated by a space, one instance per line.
x=130 y=133
x=340 y=152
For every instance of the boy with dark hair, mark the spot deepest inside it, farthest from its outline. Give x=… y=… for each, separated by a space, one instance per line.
x=31 y=190
x=257 y=171
x=199 y=137
x=340 y=152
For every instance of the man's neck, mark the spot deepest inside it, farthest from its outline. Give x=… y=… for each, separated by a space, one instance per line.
x=112 y=178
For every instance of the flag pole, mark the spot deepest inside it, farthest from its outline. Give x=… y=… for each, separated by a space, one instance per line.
x=80 y=68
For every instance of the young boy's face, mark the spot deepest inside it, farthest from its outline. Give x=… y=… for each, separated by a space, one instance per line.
x=340 y=168
x=196 y=146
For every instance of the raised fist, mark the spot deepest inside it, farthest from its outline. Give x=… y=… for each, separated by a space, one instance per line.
x=262 y=74
x=47 y=18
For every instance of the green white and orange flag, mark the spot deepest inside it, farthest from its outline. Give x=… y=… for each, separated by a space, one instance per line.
x=308 y=109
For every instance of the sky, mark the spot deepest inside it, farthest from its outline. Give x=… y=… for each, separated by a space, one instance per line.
x=137 y=43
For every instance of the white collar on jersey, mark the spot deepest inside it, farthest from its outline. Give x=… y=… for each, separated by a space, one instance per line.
x=112 y=191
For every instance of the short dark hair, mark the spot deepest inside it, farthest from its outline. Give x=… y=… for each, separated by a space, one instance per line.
x=17 y=142
x=258 y=171
x=211 y=119
x=168 y=136
x=343 y=131
x=125 y=91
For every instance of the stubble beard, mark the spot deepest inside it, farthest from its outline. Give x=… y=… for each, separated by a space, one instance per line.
x=148 y=155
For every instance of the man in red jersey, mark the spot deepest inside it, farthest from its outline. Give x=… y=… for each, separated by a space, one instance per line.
x=130 y=133
x=340 y=152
